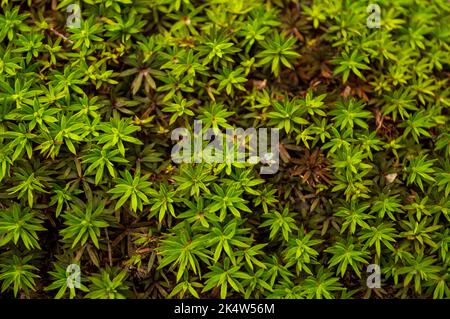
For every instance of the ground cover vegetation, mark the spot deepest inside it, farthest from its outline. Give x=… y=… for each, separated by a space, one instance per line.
x=86 y=176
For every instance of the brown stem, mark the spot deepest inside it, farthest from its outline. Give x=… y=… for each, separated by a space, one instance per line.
x=62 y=36
x=109 y=248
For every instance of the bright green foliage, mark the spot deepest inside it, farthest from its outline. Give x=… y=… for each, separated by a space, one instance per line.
x=278 y=51
x=87 y=114
x=17 y=223
x=84 y=222
x=60 y=277
x=131 y=188
x=280 y=223
x=109 y=284
x=350 y=63
x=227 y=278
x=183 y=252
x=286 y=115
x=17 y=274
x=345 y=254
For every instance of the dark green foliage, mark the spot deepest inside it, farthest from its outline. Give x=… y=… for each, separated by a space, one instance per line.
x=86 y=176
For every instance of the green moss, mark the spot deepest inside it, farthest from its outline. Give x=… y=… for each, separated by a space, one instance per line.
x=89 y=99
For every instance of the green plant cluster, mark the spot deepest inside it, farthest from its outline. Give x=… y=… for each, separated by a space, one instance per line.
x=86 y=177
